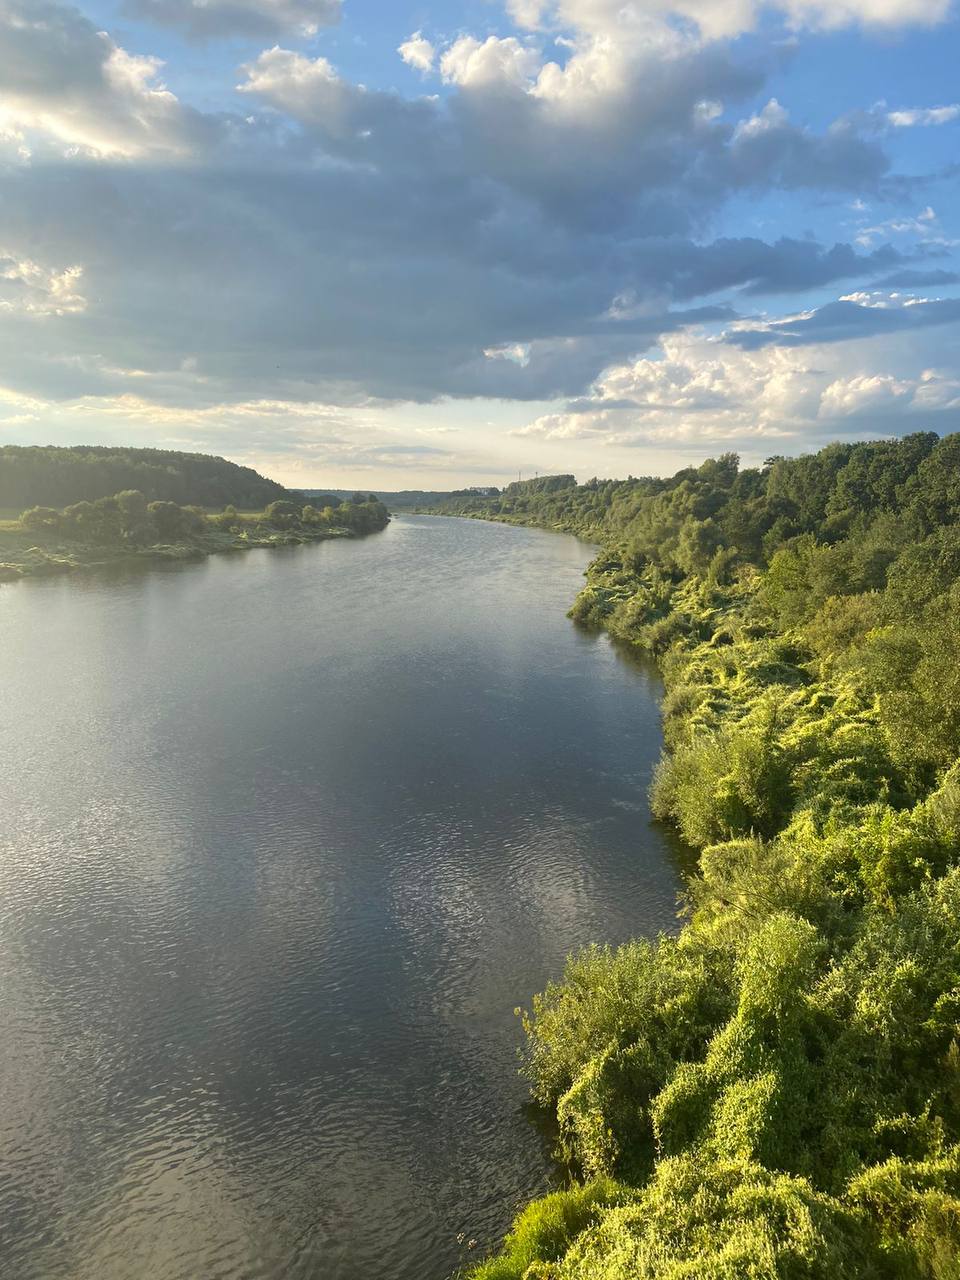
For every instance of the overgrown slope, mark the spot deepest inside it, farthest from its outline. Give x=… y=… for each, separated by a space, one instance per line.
x=776 y=1092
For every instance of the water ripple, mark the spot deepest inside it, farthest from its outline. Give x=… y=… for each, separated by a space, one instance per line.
x=283 y=841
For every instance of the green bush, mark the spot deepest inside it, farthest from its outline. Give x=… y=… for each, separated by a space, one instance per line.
x=778 y=1089
x=731 y=1220
x=545 y=1229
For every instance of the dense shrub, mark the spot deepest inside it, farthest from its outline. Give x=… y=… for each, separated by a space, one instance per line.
x=777 y=1090
x=127 y=521
x=545 y=1229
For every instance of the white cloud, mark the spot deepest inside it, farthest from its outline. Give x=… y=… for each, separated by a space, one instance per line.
x=65 y=81
x=925 y=116
x=698 y=389
x=829 y=14
x=938 y=390
x=880 y=300
x=418 y=52
x=473 y=63
x=772 y=118
x=717 y=19
x=925 y=225
x=528 y=14
x=295 y=83
x=28 y=288
x=545 y=219
x=862 y=392
x=695 y=388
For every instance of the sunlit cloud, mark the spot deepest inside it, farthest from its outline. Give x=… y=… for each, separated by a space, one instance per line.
x=535 y=233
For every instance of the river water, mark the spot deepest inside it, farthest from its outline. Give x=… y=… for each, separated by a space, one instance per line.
x=284 y=839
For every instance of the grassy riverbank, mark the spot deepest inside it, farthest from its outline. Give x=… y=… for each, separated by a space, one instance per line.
x=776 y=1092
x=126 y=528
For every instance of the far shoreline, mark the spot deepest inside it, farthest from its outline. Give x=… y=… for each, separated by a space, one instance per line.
x=29 y=552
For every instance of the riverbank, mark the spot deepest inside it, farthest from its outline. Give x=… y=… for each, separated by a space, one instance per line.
x=777 y=1091
x=20 y=560
x=125 y=529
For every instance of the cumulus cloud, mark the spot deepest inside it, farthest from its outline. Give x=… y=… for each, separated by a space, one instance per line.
x=309 y=88
x=64 y=80
x=695 y=387
x=491 y=63
x=345 y=119
x=698 y=389
x=862 y=392
x=546 y=218
x=418 y=52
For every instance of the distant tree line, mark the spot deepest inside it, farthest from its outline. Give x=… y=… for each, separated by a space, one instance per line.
x=363 y=513
x=45 y=475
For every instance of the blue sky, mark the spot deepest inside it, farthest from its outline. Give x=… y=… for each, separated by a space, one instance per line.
x=399 y=245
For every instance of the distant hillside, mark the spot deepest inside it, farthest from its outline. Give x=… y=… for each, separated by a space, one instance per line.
x=47 y=476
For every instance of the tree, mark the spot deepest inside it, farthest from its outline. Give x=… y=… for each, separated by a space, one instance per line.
x=79 y=520
x=137 y=523
x=168 y=518
x=41 y=520
x=282 y=514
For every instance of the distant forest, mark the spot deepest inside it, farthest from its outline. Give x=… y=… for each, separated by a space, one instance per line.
x=48 y=476
x=885 y=495
x=408 y=499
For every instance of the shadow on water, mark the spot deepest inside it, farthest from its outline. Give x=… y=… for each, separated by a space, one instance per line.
x=685 y=858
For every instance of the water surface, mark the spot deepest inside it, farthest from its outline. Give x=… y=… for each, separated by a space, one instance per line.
x=284 y=838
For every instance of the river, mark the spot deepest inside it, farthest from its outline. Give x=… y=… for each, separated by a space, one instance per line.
x=284 y=838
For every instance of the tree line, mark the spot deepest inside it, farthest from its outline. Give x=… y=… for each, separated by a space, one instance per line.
x=127 y=519
x=45 y=475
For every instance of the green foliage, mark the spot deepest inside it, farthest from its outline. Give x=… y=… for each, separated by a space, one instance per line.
x=40 y=520
x=55 y=476
x=779 y=1086
x=732 y=1220
x=544 y=1230
x=282 y=514
x=44 y=540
